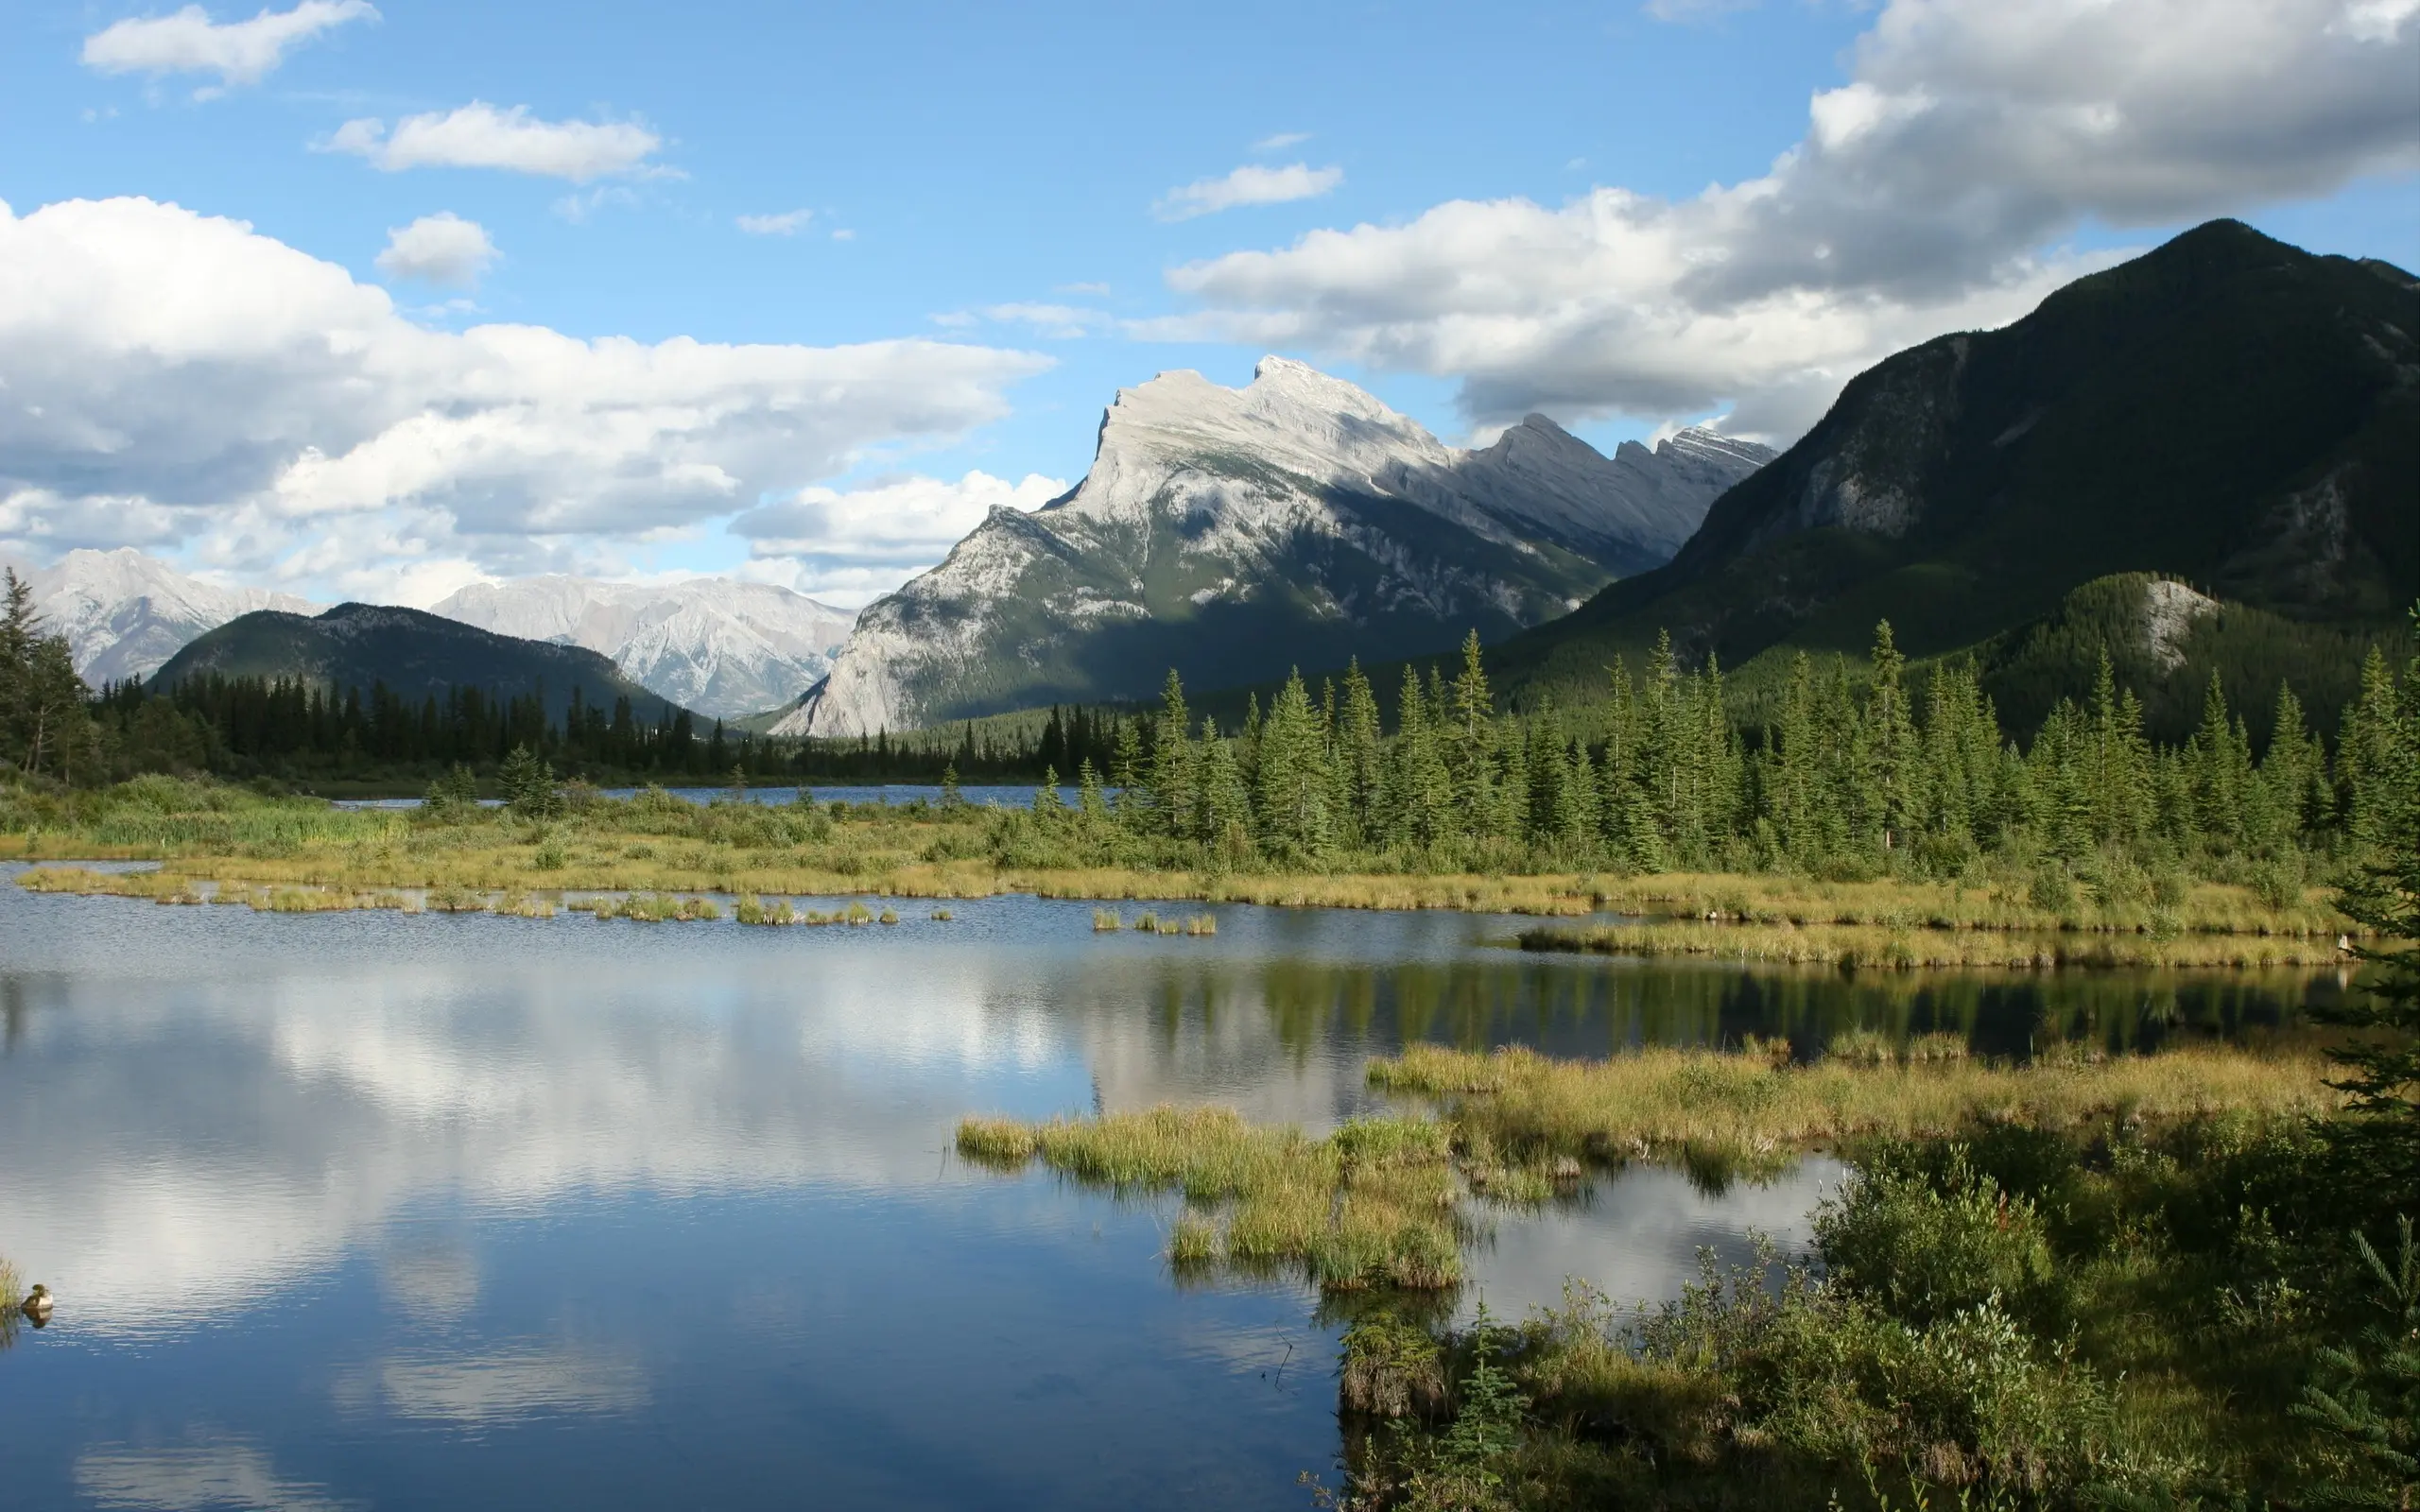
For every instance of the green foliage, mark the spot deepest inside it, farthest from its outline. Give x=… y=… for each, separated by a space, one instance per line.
x=2378 y=1146
x=1856 y=777
x=43 y=727
x=2370 y=1402
x=1929 y=1244
x=454 y=795
x=529 y=783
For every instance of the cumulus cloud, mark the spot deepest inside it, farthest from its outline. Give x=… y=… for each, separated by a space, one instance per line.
x=785 y=224
x=850 y=547
x=478 y=135
x=179 y=376
x=1250 y=185
x=1928 y=194
x=442 y=249
x=239 y=52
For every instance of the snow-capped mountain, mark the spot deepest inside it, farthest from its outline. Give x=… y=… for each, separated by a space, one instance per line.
x=1233 y=533
x=719 y=646
x=125 y=614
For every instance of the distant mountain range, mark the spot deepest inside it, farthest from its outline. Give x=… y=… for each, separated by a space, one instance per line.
x=125 y=614
x=413 y=652
x=2226 y=410
x=1233 y=533
x=722 y=647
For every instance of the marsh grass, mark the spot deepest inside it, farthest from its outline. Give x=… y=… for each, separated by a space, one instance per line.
x=656 y=908
x=1868 y=947
x=1717 y=1114
x=1106 y=921
x=655 y=843
x=1370 y=1206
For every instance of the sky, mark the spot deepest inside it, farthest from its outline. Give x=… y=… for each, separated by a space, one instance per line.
x=375 y=301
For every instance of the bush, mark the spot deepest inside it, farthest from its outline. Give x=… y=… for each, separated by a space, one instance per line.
x=1930 y=1244
x=2051 y=888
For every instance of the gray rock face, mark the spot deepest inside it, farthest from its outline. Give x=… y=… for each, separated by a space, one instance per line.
x=125 y=614
x=722 y=647
x=1233 y=533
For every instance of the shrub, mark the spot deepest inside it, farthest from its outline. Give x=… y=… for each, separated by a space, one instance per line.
x=1930 y=1244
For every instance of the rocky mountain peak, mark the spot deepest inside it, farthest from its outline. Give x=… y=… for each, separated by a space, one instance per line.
x=1233 y=532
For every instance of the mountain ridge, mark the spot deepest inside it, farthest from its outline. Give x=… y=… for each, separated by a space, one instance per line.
x=2225 y=409
x=1231 y=532
x=416 y=654
x=719 y=645
x=125 y=614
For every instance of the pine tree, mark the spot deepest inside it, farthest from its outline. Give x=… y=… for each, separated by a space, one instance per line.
x=1173 y=787
x=1048 y=804
x=1470 y=750
x=1291 y=781
x=1420 y=796
x=529 y=783
x=1223 y=805
x=1890 y=743
x=44 y=724
x=2378 y=1142
x=1360 y=754
x=1133 y=803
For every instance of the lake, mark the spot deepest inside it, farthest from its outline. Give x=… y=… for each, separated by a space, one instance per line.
x=370 y=1210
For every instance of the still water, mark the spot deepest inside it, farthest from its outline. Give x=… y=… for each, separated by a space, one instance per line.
x=383 y=1211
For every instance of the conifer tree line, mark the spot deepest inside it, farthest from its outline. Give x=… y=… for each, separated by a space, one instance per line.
x=1855 y=777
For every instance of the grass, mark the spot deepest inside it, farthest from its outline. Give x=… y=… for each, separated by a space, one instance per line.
x=1370 y=1206
x=2120 y=1315
x=1719 y=1114
x=1903 y=947
x=655 y=843
x=1373 y=1203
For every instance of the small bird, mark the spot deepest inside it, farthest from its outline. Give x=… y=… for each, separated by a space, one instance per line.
x=37 y=1304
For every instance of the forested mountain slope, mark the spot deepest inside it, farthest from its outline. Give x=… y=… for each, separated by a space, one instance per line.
x=415 y=654
x=2226 y=410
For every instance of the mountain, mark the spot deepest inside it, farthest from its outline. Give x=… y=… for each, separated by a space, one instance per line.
x=416 y=654
x=125 y=614
x=2165 y=640
x=722 y=647
x=2226 y=410
x=1233 y=533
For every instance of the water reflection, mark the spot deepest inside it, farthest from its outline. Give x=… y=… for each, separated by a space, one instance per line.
x=357 y=1208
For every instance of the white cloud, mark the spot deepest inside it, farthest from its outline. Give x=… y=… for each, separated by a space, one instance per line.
x=478 y=135
x=844 y=234
x=239 y=52
x=1929 y=194
x=1250 y=185
x=1094 y=290
x=173 y=376
x=785 y=224
x=1281 y=141
x=847 y=547
x=442 y=249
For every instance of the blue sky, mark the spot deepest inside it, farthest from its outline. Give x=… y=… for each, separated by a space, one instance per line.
x=1503 y=206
